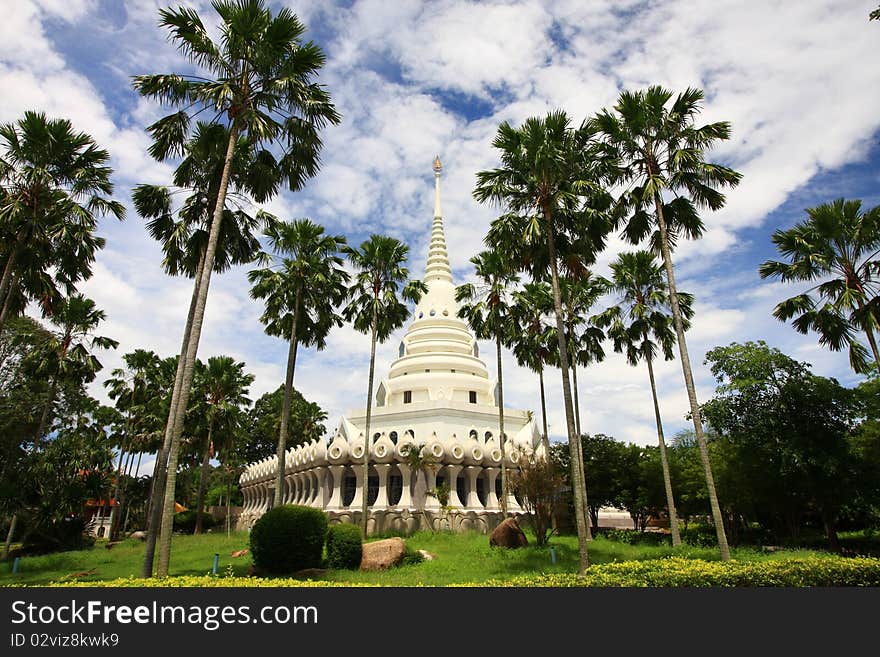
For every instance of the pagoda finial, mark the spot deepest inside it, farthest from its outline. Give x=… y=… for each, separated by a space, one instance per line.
x=437 y=166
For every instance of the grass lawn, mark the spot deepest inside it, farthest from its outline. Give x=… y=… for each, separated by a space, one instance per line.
x=460 y=559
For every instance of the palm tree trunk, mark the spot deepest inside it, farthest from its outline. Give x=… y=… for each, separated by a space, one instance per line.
x=578 y=484
x=203 y=479
x=545 y=438
x=717 y=518
x=114 y=520
x=365 y=506
x=664 y=462
x=44 y=418
x=157 y=484
x=189 y=367
x=585 y=512
x=6 y=286
x=9 y=533
x=281 y=452
x=501 y=437
x=228 y=509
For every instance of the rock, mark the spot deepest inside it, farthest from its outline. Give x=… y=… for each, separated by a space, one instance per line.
x=427 y=556
x=508 y=535
x=110 y=545
x=239 y=553
x=379 y=555
x=139 y=535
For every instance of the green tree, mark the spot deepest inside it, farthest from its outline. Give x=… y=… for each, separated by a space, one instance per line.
x=66 y=356
x=545 y=180
x=638 y=325
x=488 y=311
x=264 y=423
x=531 y=339
x=654 y=148
x=837 y=244
x=54 y=184
x=262 y=83
x=768 y=402
x=130 y=389
x=301 y=300
x=225 y=385
x=377 y=306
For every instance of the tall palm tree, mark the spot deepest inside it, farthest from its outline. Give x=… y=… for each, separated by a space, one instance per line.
x=532 y=305
x=184 y=233
x=54 y=184
x=301 y=301
x=655 y=149
x=640 y=323
x=546 y=180
x=487 y=308
x=378 y=294
x=259 y=79
x=225 y=386
x=839 y=245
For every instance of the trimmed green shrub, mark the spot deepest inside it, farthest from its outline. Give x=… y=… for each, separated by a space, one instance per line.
x=288 y=538
x=344 y=546
x=676 y=572
x=185 y=521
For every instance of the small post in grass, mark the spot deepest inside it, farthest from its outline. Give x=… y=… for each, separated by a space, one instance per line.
x=216 y=563
x=15 y=565
x=552 y=554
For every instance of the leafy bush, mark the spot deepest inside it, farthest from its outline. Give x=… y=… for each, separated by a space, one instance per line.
x=677 y=572
x=57 y=536
x=700 y=535
x=185 y=521
x=288 y=538
x=633 y=537
x=344 y=546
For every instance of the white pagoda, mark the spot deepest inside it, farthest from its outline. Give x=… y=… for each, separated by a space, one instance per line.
x=437 y=396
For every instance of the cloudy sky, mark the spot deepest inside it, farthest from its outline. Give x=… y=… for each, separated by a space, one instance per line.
x=798 y=80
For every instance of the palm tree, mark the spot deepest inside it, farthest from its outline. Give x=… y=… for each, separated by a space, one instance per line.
x=380 y=282
x=67 y=354
x=54 y=184
x=225 y=385
x=301 y=301
x=185 y=233
x=640 y=323
x=263 y=87
x=129 y=388
x=839 y=245
x=547 y=183
x=488 y=311
x=531 y=346
x=655 y=149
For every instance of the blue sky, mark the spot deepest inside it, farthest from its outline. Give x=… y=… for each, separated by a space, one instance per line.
x=797 y=80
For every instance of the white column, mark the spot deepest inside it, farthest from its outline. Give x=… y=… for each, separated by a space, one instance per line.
x=405 y=501
x=452 y=474
x=473 y=500
x=335 y=501
x=359 y=492
x=491 y=497
x=288 y=489
x=382 y=499
x=313 y=487
x=431 y=503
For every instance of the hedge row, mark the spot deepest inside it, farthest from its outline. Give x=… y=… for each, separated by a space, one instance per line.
x=673 y=571
x=678 y=572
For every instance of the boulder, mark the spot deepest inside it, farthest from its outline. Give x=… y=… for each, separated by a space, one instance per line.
x=239 y=553
x=508 y=535
x=138 y=534
x=379 y=555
